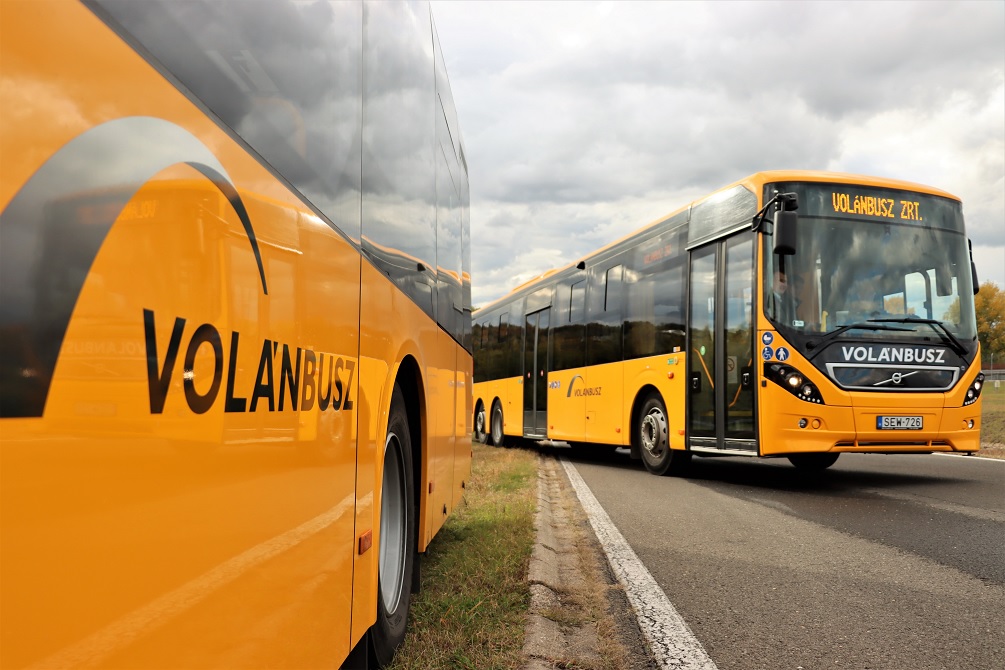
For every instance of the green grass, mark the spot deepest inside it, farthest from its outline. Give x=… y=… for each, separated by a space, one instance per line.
x=992 y=416
x=470 y=612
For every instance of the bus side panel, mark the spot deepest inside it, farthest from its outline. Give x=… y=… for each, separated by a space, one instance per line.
x=567 y=405
x=666 y=373
x=605 y=419
x=509 y=393
x=497 y=389
x=393 y=327
x=463 y=421
x=182 y=500
x=441 y=401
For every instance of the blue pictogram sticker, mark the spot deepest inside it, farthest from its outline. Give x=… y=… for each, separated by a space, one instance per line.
x=767 y=339
x=782 y=354
x=767 y=353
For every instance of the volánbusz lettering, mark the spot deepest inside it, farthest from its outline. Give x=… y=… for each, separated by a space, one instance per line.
x=924 y=355
x=306 y=378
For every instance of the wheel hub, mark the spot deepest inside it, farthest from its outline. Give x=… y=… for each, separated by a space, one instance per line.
x=393 y=510
x=654 y=433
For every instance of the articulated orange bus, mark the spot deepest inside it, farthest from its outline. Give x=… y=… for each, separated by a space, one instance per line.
x=235 y=329
x=795 y=314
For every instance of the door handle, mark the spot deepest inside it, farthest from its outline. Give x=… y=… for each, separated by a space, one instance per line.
x=696 y=382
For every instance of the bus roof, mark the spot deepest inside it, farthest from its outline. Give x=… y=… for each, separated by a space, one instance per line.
x=755 y=183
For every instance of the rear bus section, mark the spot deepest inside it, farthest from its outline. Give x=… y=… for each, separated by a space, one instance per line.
x=235 y=350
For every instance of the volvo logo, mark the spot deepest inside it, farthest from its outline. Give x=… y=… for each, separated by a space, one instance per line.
x=896 y=378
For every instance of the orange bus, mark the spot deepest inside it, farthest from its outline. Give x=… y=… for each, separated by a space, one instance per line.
x=235 y=329
x=791 y=314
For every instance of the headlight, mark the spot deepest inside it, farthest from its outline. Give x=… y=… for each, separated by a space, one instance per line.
x=794 y=382
x=974 y=392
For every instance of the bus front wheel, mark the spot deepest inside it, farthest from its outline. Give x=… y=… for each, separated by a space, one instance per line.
x=652 y=430
x=397 y=536
x=819 y=461
x=497 y=425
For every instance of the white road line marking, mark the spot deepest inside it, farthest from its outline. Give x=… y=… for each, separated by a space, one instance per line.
x=671 y=641
x=970 y=458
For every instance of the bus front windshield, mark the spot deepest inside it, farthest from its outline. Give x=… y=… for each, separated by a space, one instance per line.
x=908 y=274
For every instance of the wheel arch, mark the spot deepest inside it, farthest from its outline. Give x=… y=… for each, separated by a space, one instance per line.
x=409 y=380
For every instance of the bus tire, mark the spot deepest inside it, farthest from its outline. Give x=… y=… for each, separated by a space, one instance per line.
x=397 y=536
x=652 y=430
x=480 y=434
x=496 y=426
x=817 y=461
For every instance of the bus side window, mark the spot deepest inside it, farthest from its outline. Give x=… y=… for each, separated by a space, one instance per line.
x=570 y=346
x=604 y=327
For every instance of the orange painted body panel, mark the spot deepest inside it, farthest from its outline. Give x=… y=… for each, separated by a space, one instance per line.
x=847 y=422
x=509 y=393
x=395 y=329
x=218 y=529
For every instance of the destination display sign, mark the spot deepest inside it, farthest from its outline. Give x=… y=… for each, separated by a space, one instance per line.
x=880 y=204
x=890 y=208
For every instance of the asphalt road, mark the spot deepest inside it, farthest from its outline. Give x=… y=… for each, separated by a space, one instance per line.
x=879 y=562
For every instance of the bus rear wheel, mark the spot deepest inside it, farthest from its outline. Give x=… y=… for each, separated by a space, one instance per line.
x=397 y=536
x=820 y=461
x=652 y=430
x=496 y=426
x=481 y=435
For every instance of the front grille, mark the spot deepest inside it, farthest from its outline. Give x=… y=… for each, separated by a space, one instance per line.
x=856 y=377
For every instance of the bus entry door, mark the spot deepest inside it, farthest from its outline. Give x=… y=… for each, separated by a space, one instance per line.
x=720 y=412
x=535 y=374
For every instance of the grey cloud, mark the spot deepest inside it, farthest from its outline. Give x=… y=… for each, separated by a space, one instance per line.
x=570 y=112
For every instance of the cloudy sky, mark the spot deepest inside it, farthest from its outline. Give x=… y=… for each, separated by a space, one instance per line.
x=584 y=121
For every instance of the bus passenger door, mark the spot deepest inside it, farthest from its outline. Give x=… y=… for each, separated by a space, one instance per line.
x=535 y=378
x=721 y=347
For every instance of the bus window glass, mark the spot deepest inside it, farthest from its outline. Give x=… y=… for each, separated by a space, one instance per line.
x=570 y=330
x=872 y=254
x=654 y=318
x=295 y=102
x=604 y=315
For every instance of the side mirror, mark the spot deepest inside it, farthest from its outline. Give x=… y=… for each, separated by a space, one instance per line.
x=785 y=232
x=973 y=268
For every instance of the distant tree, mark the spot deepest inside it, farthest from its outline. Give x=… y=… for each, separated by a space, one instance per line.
x=952 y=314
x=989 y=305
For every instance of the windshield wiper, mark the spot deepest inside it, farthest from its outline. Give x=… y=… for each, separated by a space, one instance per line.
x=813 y=344
x=942 y=330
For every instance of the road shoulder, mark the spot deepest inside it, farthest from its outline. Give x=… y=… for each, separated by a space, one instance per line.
x=579 y=615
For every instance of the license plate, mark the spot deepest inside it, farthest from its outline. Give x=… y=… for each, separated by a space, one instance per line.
x=898 y=423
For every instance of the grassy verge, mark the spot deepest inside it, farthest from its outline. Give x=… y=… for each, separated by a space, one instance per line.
x=471 y=610
x=993 y=421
